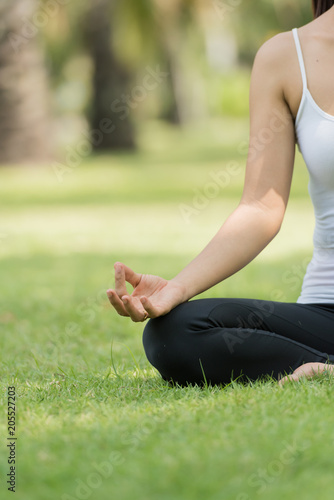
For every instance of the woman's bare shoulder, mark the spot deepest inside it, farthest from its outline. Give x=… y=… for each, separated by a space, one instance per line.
x=276 y=49
x=276 y=67
x=273 y=60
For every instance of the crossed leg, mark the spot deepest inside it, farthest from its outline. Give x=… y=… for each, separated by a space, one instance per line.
x=219 y=339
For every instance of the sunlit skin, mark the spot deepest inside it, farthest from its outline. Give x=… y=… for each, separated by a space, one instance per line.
x=308 y=370
x=276 y=89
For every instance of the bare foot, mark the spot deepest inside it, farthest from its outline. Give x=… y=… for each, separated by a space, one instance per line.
x=308 y=370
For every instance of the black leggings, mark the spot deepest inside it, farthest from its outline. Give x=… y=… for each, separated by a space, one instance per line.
x=219 y=340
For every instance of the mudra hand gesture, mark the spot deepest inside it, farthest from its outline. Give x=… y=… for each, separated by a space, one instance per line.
x=152 y=296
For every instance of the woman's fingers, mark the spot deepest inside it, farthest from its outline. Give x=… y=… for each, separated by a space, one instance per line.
x=120 y=285
x=126 y=306
x=135 y=313
x=122 y=274
x=130 y=305
x=119 y=298
x=116 y=302
x=148 y=306
x=130 y=276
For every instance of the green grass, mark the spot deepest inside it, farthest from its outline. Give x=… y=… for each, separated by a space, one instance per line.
x=94 y=419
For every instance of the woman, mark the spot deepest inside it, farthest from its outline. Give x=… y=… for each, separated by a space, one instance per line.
x=215 y=340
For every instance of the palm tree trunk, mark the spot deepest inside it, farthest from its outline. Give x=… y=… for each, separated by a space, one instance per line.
x=110 y=118
x=24 y=107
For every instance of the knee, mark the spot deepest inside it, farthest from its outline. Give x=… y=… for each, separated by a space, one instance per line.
x=158 y=342
x=165 y=341
x=177 y=343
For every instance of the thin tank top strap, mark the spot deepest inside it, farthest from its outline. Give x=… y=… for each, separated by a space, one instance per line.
x=300 y=57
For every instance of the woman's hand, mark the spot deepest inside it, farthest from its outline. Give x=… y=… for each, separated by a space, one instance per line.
x=152 y=296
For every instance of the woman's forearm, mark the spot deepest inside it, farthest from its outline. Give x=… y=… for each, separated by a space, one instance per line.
x=246 y=232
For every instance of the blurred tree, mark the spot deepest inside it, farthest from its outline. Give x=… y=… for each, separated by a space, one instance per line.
x=167 y=34
x=24 y=119
x=129 y=42
x=174 y=19
x=110 y=120
x=254 y=23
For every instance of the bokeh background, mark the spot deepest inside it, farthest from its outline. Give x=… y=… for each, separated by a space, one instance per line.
x=118 y=120
x=123 y=137
x=69 y=66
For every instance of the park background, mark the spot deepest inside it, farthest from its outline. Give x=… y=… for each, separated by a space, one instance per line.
x=123 y=137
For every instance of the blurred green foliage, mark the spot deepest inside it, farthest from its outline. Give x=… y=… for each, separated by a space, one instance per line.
x=144 y=29
x=254 y=23
x=101 y=55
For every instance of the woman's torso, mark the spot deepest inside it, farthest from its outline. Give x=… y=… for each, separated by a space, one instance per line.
x=307 y=76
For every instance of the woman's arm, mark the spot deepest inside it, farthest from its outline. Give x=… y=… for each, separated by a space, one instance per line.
x=259 y=215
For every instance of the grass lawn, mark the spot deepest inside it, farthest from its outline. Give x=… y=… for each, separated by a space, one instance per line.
x=93 y=418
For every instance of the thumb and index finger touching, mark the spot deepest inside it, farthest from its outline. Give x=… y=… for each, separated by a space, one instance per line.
x=134 y=278
x=120 y=298
x=124 y=274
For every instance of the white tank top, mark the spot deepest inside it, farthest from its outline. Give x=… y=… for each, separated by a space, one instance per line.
x=315 y=137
